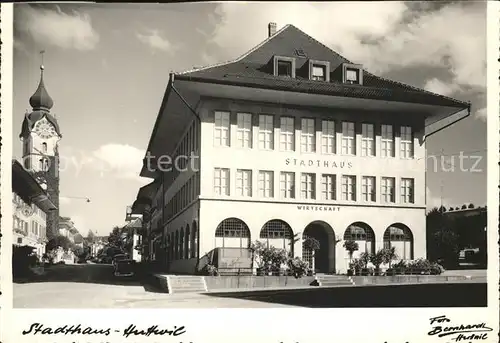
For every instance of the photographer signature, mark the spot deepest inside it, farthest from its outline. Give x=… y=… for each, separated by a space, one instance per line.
x=462 y=332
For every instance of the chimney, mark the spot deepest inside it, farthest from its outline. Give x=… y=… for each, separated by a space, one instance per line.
x=271 y=29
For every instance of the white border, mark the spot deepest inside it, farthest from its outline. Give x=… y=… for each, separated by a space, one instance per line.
x=250 y=325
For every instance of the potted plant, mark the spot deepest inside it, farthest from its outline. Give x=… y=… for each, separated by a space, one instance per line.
x=257 y=249
x=311 y=244
x=377 y=259
x=278 y=258
x=298 y=267
x=351 y=246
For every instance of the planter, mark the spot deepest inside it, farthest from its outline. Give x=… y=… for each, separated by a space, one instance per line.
x=350 y=272
x=310 y=273
x=260 y=271
x=376 y=271
x=281 y=272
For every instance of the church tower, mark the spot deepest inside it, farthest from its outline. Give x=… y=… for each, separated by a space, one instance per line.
x=40 y=135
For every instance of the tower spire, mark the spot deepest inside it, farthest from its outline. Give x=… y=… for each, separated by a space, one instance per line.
x=41 y=99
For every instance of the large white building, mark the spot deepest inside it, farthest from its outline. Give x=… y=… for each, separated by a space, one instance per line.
x=288 y=141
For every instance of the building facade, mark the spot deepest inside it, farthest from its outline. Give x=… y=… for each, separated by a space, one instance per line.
x=40 y=135
x=67 y=229
x=31 y=206
x=290 y=141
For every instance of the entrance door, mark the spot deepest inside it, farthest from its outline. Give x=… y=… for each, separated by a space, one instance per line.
x=324 y=257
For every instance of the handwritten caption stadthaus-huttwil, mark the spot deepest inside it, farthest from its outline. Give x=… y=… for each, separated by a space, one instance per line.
x=441 y=326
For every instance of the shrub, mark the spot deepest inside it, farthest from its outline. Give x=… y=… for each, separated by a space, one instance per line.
x=210 y=270
x=298 y=267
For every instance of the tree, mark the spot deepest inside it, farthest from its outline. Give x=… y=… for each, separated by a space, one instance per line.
x=451 y=209
x=471 y=205
x=311 y=244
x=351 y=246
x=377 y=259
x=464 y=207
x=388 y=255
x=91 y=238
x=118 y=238
x=442 y=209
x=59 y=241
x=447 y=246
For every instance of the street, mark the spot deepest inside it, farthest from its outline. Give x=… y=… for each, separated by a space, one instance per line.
x=94 y=286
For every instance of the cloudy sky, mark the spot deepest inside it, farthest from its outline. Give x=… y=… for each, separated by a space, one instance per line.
x=107 y=68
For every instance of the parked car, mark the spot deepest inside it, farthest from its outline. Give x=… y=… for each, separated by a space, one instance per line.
x=119 y=257
x=125 y=267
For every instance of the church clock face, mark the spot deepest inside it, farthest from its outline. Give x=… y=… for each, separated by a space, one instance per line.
x=45 y=130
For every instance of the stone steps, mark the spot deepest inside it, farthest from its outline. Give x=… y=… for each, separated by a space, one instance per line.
x=186 y=284
x=333 y=280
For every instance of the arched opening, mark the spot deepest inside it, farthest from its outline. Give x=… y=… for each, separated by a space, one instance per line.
x=194 y=241
x=232 y=233
x=323 y=259
x=362 y=234
x=187 y=241
x=279 y=234
x=181 y=244
x=399 y=236
x=44 y=147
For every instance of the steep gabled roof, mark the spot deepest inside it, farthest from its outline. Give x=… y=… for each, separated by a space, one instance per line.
x=252 y=70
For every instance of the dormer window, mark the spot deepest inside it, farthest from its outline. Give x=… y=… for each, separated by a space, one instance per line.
x=284 y=66
x=352 y=74
x=318 y=73
x=319 y=70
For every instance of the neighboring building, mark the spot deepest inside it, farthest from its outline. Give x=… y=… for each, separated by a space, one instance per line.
x=147 y=206
x=67 y=228
x=40 y=135
x=133 y=230
x=98 y=244
x=31 y=206
x=290 y=140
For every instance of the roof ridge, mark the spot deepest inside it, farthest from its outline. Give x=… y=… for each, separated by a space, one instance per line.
x=239 y=58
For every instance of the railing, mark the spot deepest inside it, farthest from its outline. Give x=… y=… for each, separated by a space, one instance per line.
x=397 y=271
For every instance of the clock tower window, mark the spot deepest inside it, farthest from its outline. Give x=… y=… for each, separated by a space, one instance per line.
x=44 y=147
x=44 y=164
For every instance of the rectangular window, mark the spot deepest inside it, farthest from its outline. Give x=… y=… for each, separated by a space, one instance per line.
x=406 y=142
x=407 y=189
x=328 y=137
x=367 y=140
x=352 y=76
x=221 y=181
x=284 y=68
x=287 y=134
x=348 y=139
x=244 y=131
x=287 y=185
x=221 y=129
x=387 y=190
x=307 y=135
x=266 y=184
x=368 y=192
x=387 y=141
x=308 y=186
x=266 y=132
x=349 y=187
x=244 y=183
x=328 y=187
x=318 y=72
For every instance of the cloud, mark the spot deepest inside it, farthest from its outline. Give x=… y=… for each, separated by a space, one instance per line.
x=118 y=160
x=437 y=86
x=53 y=27
x=481 y=114
x=383 y=37
x=155 y=41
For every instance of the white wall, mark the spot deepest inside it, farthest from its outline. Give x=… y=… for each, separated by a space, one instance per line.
x=379 y=219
